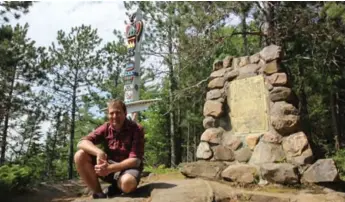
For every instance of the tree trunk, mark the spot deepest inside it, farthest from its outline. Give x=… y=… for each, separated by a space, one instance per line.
x=244 y=30
x=55 y=137
x=337 y=116
x=20 y=151
x=195 y=143
x=66 y=124
x=268 y=26
x=303 y=104
x=342 y=122
x=71 y=141
x=27 y=155
x=54 y=145
x=8 y=106
x=168 y=161
x=334 y=107
x=172 y=116
x=2 y=113
x=179 y=132
x=188 y=134
x=172 y=87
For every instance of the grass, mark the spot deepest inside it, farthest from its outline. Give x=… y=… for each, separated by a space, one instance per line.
x=160 y=170
x=161 y=173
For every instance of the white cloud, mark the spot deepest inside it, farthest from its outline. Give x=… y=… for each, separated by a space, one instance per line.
x=45 y=18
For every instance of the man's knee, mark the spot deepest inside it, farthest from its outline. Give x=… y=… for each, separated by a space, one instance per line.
x=128 y=183
x=81 y=157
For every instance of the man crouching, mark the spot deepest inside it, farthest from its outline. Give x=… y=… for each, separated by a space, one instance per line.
x=121 y=161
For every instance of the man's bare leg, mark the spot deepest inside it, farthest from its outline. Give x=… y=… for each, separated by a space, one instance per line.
x=127 y=183
x=86 y=171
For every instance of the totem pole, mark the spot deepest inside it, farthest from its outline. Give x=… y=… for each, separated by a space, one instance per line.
x=134 y=31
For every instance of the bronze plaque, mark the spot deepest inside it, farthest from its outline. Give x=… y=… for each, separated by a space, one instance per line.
x=248 y=105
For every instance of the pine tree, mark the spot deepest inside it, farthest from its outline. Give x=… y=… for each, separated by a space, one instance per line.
x=16 y=8
x=21 y=69
x=76 y=64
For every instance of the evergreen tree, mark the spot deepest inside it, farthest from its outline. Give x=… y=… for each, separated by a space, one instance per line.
x=21 y=69
x=76 y=64
x=16 y=8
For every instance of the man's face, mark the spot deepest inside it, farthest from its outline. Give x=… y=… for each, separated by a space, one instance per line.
x=116 y=116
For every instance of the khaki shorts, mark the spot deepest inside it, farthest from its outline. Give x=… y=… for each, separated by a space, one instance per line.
x=113 y=177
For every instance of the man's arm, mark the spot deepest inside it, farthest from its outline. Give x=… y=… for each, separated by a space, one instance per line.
x=125 y=164
x=89 y=147
x=88 y=143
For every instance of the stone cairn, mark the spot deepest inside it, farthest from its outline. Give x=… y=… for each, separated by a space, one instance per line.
x=252 y=126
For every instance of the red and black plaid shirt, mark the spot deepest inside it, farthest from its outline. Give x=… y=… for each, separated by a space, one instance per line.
x=120 y=145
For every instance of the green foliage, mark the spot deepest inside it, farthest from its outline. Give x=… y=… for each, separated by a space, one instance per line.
x=14 y=178
x=20 y=71
x=339 y=158
x=334 y=10
x=61 y=168
x=156 y=139
x=16 y=8
x=160 y=169
x=36 y=163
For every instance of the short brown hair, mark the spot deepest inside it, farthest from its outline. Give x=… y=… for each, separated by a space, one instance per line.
x=117 y=103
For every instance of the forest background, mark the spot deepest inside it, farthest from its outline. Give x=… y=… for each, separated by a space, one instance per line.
x=69 y=81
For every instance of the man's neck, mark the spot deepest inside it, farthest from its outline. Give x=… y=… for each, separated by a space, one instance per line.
x=118 y=127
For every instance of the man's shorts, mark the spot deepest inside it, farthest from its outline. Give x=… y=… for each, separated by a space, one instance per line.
x=112 y=177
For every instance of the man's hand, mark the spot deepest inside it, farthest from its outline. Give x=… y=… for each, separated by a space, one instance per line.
x=101 y=157
x=135 y=116
x=102 y=169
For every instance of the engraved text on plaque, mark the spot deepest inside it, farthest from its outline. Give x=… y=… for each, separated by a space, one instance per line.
x=248 y=105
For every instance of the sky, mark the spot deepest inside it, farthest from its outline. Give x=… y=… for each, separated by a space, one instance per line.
x=45 y=18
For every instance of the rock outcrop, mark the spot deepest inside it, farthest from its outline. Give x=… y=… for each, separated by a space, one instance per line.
x=199 y=190
x=251 y=117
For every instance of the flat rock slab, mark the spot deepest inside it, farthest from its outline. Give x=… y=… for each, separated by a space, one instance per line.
x=198 y=190
x=282 y=173
x=187 y=190
x=323 y=170
x=242 y=173
x=203 y=169
x=117 y=199
x=172 y=191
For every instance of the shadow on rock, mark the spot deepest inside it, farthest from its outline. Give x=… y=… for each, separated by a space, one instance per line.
x=144 y=191
x=338 y=186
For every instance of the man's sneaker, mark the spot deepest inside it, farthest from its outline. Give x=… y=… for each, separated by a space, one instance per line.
x=98 y=195
x=113 y=190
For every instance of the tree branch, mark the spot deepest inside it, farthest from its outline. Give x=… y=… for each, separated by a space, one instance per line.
x=193 y=86
x=247 y=33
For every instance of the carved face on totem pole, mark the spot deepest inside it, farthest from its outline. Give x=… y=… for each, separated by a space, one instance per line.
x=133 y=33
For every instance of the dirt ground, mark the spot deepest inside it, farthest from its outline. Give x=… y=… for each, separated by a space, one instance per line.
x=71 y=190
x=76 y=191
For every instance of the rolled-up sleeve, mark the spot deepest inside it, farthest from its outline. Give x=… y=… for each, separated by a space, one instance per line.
x=97 y=135
x=137 y=149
